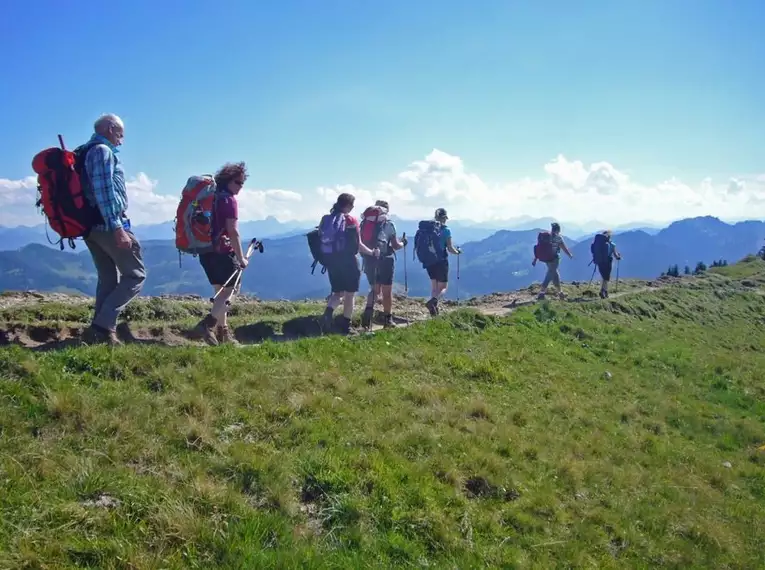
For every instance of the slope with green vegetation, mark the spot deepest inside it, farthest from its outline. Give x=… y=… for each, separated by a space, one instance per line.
x=604 y=434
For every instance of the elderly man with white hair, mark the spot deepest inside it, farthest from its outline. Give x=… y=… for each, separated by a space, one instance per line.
x=115 y=250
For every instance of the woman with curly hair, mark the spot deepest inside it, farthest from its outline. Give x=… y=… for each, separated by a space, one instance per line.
x=227 y=256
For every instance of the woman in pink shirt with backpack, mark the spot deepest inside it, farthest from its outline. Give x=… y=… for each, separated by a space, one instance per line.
x=340 y=244
x=227 y=256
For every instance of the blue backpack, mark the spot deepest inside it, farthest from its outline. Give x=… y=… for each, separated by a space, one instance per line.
x=428 y=243
x=600 y=249
x=327 y=238
x=332 y=233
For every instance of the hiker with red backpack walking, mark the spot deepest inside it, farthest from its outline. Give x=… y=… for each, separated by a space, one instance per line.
x=115 y=250
x=339 y=240
x=603 y=252
x=223 y=257
x=379 y=231
x=432 y=246
x=547 y=250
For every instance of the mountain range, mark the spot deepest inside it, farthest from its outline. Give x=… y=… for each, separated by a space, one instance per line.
x=496 y=262
x=12 y=238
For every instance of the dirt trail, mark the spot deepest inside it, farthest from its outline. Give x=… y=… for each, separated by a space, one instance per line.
x=408 y=311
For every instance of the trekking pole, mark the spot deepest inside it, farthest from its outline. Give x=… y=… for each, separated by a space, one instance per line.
x=406 y=279
x=458 y=276
x=237 y=274
x=592 y=276
x=616 y=286
x=373 y=292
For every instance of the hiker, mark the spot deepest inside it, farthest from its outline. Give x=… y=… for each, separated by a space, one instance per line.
x=432 y=245
x=115 y=250
x=548 y=250
x=340 y=242
x=226 y=257
x=603 y=252
x=378 y=230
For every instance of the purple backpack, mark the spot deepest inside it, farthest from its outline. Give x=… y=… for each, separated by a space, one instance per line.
x=332 y=233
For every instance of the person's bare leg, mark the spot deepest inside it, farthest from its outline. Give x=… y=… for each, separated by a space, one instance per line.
x=387 y=298
x=348 y=304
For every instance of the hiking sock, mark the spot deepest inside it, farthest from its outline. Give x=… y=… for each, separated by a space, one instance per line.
x=345 y=325
x=220 y=307
x=388 y=320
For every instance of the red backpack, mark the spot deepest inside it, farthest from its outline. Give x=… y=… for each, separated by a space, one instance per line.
x=61 y=180
x=544 y=250
x=193 y=218
x=372 y=222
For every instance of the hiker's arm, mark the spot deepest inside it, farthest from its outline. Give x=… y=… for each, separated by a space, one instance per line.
x=398 y=244
x=364 y=250
x=232 y=229
x=100 y=169
x=564 y=248
x=451 y=248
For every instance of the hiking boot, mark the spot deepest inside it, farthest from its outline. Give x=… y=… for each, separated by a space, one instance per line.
x=432 y=306
x=345 y=325
x=205 y=330
x=541 y=295
x=325 y=322
x=224 y=335
x=603 y=293
x=123 y=331
x=561 y=295
x=99 y=335
x=366 y=317
x=388 y=322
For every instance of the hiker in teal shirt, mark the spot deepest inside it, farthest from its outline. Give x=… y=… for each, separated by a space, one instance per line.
x=439 y=272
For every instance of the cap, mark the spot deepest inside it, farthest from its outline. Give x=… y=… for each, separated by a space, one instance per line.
x=441 y=213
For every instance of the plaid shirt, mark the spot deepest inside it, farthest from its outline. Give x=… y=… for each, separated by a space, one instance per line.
x=107 y=184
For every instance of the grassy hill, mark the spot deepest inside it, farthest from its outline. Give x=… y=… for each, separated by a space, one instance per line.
x=506 y=433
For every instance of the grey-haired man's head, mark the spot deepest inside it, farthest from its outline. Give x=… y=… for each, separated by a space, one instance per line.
x=111 y=127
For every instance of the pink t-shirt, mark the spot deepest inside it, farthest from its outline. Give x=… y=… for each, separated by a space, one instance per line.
x=226 y=208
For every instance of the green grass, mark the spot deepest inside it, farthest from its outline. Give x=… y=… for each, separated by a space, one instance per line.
x=156 y=311
x=616 y=434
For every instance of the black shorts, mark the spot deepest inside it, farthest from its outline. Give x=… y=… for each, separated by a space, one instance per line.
x=379 y=271
x=344 y=274
x=219 y=267
x=605 y=269
x=439 y=271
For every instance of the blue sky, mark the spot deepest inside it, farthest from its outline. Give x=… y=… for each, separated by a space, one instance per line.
x=334 y=92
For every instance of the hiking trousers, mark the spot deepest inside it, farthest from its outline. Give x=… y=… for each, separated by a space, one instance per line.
x=552 y=274
x=121 y=273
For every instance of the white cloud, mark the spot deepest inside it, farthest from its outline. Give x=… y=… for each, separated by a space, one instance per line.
x=736 y=186
x=17 y=202
x=565 y=189
x=145 y=205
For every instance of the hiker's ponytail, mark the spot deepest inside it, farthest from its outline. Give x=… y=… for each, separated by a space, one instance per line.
x=343 y=201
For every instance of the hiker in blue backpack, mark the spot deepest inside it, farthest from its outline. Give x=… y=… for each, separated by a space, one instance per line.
x=340 y=243
x=603 y=252
x=432 y=246
x=547 y=250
